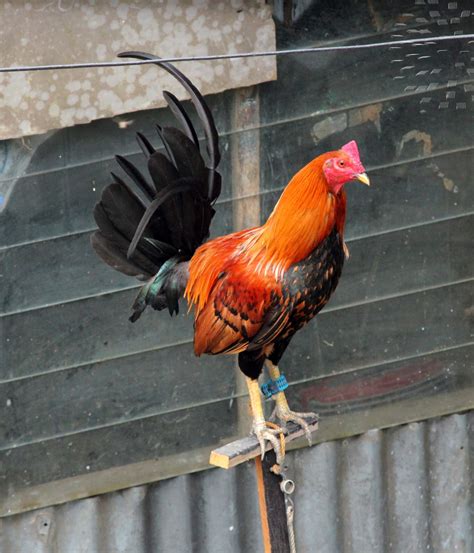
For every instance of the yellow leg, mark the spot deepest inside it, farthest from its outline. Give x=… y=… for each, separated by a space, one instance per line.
x=255 y=400
x=280 y=398
x=260 y=428
x=282 y=410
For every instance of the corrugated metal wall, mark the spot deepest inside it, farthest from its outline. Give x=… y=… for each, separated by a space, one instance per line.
x=407 y=489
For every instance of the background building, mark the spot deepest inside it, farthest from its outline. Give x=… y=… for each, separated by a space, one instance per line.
x=90 y=404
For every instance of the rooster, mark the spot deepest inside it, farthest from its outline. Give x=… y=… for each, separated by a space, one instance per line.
x=251 y=290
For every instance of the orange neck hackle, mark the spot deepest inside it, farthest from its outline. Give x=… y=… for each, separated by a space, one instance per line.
x=304 y=215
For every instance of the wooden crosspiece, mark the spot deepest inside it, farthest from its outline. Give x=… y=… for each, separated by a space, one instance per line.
x=239 y=451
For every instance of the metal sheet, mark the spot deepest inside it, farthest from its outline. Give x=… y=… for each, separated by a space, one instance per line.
x=402 y=490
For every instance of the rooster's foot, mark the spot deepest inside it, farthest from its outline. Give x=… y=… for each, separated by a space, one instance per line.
x=273 y=435
x=285 y=415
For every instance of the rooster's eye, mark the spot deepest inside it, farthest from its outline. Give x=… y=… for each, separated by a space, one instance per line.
x=341 y=163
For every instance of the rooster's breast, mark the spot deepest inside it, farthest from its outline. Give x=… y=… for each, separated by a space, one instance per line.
x=311 y=282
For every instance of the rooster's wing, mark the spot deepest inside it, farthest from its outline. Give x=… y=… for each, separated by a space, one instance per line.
x=239 y=317
x=248 y=310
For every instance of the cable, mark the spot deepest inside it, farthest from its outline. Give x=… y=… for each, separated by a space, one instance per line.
x=54 y=67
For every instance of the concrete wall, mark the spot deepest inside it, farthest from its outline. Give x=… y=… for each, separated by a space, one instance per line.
x=79 y=31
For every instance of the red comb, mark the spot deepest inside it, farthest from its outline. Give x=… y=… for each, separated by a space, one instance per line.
x=352 y=149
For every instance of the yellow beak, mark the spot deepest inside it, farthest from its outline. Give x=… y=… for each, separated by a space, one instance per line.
x=363 y=178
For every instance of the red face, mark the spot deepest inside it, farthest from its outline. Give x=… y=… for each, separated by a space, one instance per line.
x=344 y=167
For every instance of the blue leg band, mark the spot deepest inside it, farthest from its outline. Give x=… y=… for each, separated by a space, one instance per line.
x=273 y=387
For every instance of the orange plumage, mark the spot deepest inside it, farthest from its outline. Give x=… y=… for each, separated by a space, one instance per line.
x=232 y=279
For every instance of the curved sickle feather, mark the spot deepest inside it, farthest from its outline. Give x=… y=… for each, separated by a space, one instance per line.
x=164 y=194
x=130 y=190
x=181 y=115
x=169 y=151
x=199 y=103
x=136 y=176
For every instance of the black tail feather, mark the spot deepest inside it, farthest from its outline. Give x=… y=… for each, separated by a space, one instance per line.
x=161 y=170
x=130 y=190
x=187 y=159
x=161 y=197
x=157 y=230
x=113 y=256
x=136 y=176
x=162 y=248
x=169 y=151
x=117 y=200
x=202 y=109
x=113 y=242
x=181 y=115
x=145 y=145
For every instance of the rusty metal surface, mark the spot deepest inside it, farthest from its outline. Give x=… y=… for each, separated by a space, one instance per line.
x=407 y=489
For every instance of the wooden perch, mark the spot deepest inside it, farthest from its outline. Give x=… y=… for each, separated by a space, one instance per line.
x=272 y=507
x=276 y=534
x=231 y=455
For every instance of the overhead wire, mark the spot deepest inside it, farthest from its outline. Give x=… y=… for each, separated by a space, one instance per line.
x=212 y=57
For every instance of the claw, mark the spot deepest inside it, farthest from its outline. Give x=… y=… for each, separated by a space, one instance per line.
x=286 y=415
x=263 y=434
